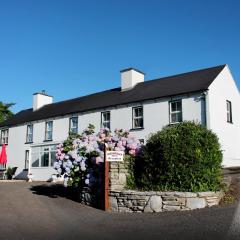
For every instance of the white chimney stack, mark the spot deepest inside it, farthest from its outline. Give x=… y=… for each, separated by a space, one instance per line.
x=130 y=77
x=41 y=99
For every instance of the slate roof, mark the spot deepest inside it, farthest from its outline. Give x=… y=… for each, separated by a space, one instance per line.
x=194 y=81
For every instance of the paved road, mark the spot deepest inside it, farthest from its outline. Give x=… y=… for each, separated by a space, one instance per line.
x=39 y=211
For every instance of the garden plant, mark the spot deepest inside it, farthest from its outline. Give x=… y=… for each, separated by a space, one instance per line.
x=181 y=157
x=80 y=157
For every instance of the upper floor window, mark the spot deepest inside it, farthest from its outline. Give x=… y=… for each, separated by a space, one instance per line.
x=73 y=125
x=137 y=117
x=48 y=130
x=105 y=120
x=4 y=136
x=29 y=133
x=229 y=112
x=175 y=111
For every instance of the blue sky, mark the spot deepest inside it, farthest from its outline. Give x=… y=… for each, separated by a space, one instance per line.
x=72 y=48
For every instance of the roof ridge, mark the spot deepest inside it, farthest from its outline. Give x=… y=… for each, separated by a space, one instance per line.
x=147 y=81
x=193 y=81
x=185 y=73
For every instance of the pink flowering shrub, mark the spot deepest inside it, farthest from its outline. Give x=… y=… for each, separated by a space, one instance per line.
x=79 y=158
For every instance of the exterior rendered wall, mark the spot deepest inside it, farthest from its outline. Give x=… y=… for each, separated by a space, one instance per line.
x=156 y=115
x=39 y=100
x=130 y=78
x=221 y=90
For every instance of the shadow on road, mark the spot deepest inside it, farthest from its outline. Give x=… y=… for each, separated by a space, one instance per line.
x=55 y=191
x=208 y=224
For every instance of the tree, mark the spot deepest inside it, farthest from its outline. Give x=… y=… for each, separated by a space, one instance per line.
x=5 y=111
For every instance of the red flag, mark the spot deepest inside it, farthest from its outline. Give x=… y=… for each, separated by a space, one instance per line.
x=3 y=156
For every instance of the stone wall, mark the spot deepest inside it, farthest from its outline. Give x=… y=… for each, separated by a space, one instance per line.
x=117 y=175
x=122 y=200
x=136 y=201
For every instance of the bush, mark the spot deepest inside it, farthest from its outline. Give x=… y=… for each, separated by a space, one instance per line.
x=181 y=157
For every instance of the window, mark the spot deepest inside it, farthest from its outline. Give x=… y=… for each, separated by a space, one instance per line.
x=48 y=131
x=229 y=112
x=26 y=159
x=137 y=117
x=73 y=125
x=4 y=136
x=175 y=111
x=43 y=156
x=29 y=133
x=105 y=120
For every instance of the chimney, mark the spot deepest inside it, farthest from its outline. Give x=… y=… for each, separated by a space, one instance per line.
x=41 y=99
x=130 y=77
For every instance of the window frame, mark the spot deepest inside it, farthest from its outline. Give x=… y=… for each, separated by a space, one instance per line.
x=175 y=112
x=29 y=134
x=229 y=111
x=70 y=125
x=40 y=153
x=27 y=158
x=47 y=131
x=104 y=121
x=4 y=136
x=138 y=117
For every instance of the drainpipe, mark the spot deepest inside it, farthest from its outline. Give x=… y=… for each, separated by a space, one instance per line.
x=206 y=109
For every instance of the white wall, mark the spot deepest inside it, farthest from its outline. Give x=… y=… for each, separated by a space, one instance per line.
x=156 y=115
x=16 y=148
x=222 y=89
x=40 y=100
x=130 y=78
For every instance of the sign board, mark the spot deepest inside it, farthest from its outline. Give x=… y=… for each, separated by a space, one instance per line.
x=114 y=156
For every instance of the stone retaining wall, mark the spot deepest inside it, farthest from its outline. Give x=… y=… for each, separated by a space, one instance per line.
x=122 y=200
x=136 y=201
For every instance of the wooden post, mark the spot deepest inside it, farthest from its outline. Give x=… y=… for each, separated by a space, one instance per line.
x=106 y=180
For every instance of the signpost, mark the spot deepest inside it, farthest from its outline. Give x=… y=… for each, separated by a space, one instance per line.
x=109 y=156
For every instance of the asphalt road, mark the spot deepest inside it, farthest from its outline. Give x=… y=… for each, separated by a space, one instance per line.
x=40 y=211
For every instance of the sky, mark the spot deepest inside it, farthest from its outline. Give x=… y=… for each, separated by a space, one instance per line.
x=72 y=48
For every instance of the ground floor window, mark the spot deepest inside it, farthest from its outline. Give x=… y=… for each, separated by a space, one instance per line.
x=43 y=156
x=26 y=159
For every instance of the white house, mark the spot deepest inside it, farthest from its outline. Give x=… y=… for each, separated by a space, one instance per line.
x=209 y=96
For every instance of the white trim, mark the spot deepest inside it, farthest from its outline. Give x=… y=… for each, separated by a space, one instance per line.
x=44 y=144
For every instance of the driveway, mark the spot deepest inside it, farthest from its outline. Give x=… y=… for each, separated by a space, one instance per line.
x=42 y=211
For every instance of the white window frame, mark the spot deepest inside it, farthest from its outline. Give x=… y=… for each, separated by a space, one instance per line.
x=29 y=138
x=39 y=151
x=48 y=130
x=4 y=136
x=171 y=112
x=105 y=122
x=140 y=117
x=73 y=129
x=27 y=158
x=229 y=111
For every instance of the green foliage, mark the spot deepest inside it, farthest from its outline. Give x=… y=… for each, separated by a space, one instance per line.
x=129 y=162
x=181 y=157
x=5 y=111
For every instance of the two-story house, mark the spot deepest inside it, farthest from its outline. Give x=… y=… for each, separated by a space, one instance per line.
x=209 y=96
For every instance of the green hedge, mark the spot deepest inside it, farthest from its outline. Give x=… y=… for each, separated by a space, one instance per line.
x=181 y=157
